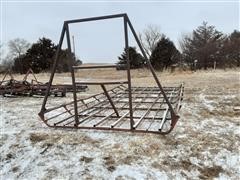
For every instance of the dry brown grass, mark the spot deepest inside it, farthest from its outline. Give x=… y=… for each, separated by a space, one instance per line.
x=210 y=172
x=201 y=129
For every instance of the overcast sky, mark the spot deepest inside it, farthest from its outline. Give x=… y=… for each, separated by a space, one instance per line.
x=103 y=41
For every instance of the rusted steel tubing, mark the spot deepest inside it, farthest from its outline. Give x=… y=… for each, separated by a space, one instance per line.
x=156 y=88
x=73 y=75
x=109 y=99
x=111 y=115
x=62 y=105
x=148 y=110
x=150 y=66
x=53 y=71
x=115 y=129
x=120 y=119
x=128 y=71
x=27 y=74
x=154 y=117
x=149 y=101
x=152 y=93
x=95 y=18
x=134 y=108
x=59 y=122
x=94 y=67
x=139 y=108
x=149 y=97
x=103 y=119
x=116 y=117
x=165 y=115
x=102 y=108
x=92 y=110
x=99 y=83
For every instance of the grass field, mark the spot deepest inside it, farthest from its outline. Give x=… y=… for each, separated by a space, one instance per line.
x=204 y=144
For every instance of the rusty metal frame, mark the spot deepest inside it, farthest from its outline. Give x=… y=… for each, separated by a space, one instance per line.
x=12 y=87
x=79 y=111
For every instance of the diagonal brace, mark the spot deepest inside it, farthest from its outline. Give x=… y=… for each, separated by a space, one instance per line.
x=109 y=99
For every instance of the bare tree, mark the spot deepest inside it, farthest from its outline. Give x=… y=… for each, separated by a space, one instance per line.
x=18 y=46
x=149 y=38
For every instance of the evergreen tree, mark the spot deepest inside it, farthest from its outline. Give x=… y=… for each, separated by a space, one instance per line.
x=136 y=59
x=165 y=54
x=40 y=56
x=231 y=49
x=203 y=46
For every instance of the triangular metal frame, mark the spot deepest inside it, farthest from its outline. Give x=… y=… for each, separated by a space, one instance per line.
x=7 y=73
x=127 y=25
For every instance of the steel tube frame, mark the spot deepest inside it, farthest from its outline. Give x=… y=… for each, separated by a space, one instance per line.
x=126 y=22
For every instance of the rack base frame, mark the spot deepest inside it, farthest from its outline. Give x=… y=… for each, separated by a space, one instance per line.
x=150 y=111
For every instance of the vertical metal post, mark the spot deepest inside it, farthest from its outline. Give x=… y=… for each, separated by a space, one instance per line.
x=73 y=76
x=128 y=72
x=74 y=47
x=151 y=68
x=53 y=70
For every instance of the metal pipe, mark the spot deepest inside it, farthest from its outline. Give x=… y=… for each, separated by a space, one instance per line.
x=73 y=75
x=94 y=67
x=128 y=72
x=53 y=71
x=95 y=18
x=150 y=66
x=109 y=99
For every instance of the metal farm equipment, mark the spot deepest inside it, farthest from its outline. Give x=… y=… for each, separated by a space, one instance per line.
x=13 y=87
x=122 y=108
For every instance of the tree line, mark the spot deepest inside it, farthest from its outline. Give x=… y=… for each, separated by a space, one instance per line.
x=206 y=47
x=39 y=56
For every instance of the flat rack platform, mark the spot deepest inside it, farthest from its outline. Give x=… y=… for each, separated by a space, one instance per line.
x=150 y=111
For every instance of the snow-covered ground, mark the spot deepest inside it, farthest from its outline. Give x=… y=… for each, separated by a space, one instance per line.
x=204 y=144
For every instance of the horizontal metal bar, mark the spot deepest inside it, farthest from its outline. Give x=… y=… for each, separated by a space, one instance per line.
x=95 y=18
x=70 y=103
x=102 y=82
x=136 y=109
x=120 y=119
x=115 y=129
x=124 y=115
x=103 y=119
x=94 y=67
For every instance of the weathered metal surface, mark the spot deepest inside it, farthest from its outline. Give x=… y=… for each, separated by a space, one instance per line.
x=152 y=116
x=13 y=87
x=123 y=108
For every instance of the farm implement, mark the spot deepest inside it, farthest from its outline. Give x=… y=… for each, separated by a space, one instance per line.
x=119 y=106
x=12 y=87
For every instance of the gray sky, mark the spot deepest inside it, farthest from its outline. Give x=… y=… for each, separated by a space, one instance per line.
x=103 y=41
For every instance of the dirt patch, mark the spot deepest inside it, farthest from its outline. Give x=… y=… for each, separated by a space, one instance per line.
x=86 y=159
x=110 y=163
x=35 y=138
x=15 y=169
x=182 y=164
x=73 y=139
x=9 y=156
x=157 y=165
x=210 y=172
x=128 y=159
x=51 y=173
